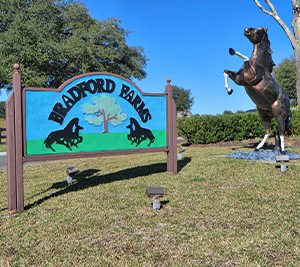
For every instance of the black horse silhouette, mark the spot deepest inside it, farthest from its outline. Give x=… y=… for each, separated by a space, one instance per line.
x=138 y=134
x=68 y=137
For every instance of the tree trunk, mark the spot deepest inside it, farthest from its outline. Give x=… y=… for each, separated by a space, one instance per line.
x=297 y=56
x=295 y=43
x=105 y=126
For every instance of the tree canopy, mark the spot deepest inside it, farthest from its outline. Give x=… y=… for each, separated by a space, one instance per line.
x=182 y=98
x=285 y=75
x=227 y=112
x=54 y=40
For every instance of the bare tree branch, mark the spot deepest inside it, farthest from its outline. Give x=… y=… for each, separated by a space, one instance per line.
x=274 y=14
x=264 y=10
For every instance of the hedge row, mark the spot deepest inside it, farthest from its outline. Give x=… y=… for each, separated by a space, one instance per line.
x=211 y=129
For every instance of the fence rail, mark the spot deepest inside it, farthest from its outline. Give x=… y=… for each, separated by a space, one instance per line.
x=2 y=136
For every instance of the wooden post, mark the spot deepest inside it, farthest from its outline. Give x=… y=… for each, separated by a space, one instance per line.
x=174 y=132
x=15 y=146
x=18 y=130
x=171 y=131
x=11 y=155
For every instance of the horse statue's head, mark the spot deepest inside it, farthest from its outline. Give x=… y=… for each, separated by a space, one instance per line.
x=255 y=35
x=259 y=36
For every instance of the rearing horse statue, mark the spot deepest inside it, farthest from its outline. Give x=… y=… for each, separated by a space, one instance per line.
x=255 y=75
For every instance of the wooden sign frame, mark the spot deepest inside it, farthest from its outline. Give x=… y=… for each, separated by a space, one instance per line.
x=17 y=132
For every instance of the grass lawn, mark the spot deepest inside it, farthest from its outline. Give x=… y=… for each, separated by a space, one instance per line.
x=216 y=212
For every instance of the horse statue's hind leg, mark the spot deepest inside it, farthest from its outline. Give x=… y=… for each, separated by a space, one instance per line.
x=279 y=140
x=266 y=120
x=282 y=127
x=226 y=74
x=282 y=115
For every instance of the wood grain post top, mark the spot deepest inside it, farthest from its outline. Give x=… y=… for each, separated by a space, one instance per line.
x=16 y=67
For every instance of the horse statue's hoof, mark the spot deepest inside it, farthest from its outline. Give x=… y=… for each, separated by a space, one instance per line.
x=256 y=149
x=230 y=92
x=283 y=152
x=231 y=51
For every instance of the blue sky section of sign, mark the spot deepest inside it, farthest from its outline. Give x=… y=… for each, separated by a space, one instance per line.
x=39 y=104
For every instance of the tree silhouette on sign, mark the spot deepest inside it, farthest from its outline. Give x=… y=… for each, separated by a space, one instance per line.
x=104 y=110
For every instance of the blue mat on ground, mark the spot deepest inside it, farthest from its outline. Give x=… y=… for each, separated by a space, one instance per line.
x=261 y=155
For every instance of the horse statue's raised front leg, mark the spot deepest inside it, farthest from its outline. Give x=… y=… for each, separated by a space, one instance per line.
x=233 y=52
x=229 y=90
x=232 y=74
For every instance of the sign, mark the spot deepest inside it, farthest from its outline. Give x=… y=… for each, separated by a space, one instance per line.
x=94 y=112
x=90 y=115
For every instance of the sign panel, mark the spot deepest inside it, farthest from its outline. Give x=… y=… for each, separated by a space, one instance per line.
x=92 y=113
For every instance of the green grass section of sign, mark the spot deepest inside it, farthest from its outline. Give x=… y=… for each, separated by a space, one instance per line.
x=95 y=142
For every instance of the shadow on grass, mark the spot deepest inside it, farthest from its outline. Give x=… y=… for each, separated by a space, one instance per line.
x=87 y=179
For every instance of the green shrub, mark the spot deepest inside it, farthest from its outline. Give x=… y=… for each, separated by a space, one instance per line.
x=2 y=109
x=294 y=127
x=211 y=129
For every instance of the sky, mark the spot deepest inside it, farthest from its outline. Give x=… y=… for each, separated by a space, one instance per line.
x=188 y=41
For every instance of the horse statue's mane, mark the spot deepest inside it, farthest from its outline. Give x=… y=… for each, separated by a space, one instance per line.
x=269 y=61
